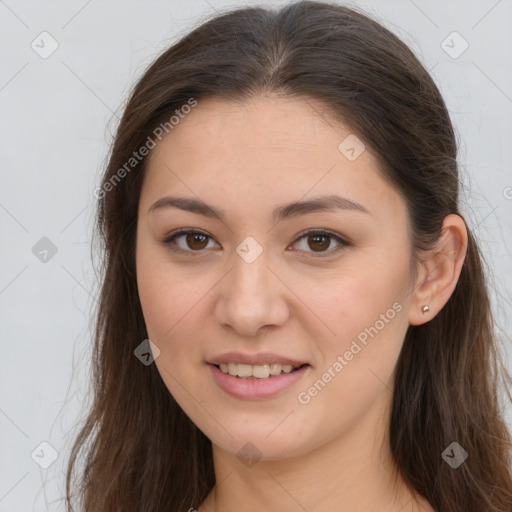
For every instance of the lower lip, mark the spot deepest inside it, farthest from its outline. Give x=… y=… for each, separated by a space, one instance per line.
x=256 y=389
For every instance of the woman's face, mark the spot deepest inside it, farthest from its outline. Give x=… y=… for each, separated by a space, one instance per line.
x=260 y=280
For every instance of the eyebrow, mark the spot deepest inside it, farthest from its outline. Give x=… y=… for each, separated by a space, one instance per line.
x=320 y=204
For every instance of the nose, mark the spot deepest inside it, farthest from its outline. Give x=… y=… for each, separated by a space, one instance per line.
x=251 y=296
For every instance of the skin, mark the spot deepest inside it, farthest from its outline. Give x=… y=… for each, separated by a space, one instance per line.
x=248 y=158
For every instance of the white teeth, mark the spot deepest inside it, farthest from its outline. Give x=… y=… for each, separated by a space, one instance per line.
x=244 y=370
x=275 y=368
x=259 y=371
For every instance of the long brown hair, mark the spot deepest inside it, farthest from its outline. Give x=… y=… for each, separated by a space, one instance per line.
x=140 y=451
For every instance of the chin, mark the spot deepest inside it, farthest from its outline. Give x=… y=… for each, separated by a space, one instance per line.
x=259 y=441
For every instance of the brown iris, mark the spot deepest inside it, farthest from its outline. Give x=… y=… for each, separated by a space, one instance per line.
x=324 y=245
x=194 y=237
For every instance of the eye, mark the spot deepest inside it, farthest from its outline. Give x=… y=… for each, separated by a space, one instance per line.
x=194 y=241
x=320 y=240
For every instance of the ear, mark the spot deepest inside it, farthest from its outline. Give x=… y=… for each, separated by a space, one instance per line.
x=439 y=271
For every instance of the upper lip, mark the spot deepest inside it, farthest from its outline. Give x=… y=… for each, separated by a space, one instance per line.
x=254 y=359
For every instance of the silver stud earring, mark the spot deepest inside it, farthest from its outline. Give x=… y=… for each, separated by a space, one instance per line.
x=425 y=308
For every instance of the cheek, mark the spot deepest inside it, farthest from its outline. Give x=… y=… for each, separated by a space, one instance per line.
x=174 y=313
x=172 y=309
x=366 y=311
x=366 y=306
x=176 y=310
x=169 y=297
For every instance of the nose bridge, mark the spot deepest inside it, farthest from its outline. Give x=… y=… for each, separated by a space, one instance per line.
x=250 y=275
x=251 y=296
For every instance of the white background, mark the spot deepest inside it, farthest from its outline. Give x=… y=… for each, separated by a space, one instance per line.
x=57 y=117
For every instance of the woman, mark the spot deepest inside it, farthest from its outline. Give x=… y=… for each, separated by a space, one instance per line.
x=294 y=313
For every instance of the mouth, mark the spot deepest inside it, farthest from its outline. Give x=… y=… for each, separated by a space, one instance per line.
x=259 y=371
x=257 y=382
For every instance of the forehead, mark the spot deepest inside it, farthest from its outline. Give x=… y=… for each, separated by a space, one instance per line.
x=270 y=134
x=269 y=120
x=261 y=148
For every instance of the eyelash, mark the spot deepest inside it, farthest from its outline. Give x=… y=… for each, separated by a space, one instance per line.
x=169 y=241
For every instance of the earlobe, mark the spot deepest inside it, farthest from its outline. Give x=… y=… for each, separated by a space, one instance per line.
x=441 y=267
